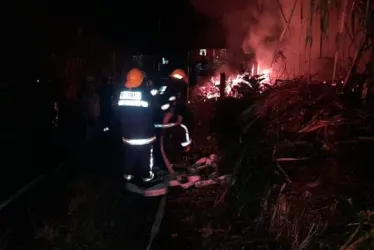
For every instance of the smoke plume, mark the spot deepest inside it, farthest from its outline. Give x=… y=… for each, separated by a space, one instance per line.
x=252 y=26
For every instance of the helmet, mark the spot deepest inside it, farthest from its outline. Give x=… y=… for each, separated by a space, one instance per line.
x=180 y=75
x=134 y=78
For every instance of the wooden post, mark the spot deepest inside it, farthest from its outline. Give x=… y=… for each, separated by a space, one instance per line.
x=255 y=67
x=188 y=91
x=188 y=79
x=222 y=85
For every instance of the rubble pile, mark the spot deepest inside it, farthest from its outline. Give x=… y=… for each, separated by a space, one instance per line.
x=202 y=173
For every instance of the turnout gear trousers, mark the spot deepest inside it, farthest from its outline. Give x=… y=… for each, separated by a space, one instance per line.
x=138 y=160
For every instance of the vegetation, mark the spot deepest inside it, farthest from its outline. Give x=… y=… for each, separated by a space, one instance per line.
x=304 y=169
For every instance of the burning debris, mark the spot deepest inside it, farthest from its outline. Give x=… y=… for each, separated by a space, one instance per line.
x=257 y=80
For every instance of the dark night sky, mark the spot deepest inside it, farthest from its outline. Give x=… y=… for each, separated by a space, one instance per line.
x=155 y=24
x=140 y=25
x=144 y=23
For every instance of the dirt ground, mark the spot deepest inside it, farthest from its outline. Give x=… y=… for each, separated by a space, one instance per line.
x=84 y=206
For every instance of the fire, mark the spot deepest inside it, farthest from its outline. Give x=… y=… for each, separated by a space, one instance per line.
x=210 y=89
x=266 y=73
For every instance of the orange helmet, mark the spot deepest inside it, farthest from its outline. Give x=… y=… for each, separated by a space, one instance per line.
x=180 y=75
x=134 y=78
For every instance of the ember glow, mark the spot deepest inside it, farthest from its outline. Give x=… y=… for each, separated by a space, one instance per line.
x=210 y=89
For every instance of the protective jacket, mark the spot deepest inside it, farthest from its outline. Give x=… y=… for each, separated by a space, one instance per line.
x=135 y=111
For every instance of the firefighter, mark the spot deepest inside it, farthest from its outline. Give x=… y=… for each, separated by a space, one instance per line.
x=168 y=122
x=179 y=84
x=163 y=107
x=174 y=137
x=138 y=135
x=178 y=105
x=176 y=115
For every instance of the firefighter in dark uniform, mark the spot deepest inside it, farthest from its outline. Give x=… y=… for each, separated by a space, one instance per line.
x=177 y=138
x=162 y=111
x=136 y=119
x=178 y=106
x=174 y=135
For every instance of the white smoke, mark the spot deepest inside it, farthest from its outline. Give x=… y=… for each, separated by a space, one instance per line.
x=256 y=26
x=252 y=26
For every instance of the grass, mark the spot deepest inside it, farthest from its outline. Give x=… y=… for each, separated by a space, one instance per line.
x=210 y=225
x=93 y=220
x=294 y=163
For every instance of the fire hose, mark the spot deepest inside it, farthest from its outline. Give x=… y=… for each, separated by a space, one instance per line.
x=185 y=143
x=160 y=212
x=157 y=222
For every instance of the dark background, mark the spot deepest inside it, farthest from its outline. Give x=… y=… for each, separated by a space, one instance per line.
x=30 y=30
x=42 y=47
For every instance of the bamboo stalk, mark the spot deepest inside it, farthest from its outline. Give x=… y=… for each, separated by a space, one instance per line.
x=354 y=63
x=322 y=7
x=310 y=38
x=300 y=32
x=283 y=15
x=367 y=28
x=340 y=36
x=309 y=64
x=283 y=33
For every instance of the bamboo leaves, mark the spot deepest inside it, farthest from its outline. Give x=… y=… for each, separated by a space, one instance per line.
x=362 y=13
x=309 y=32
x=339 y=39
x=353 y=18
x=324 y=7
x=284 y=32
